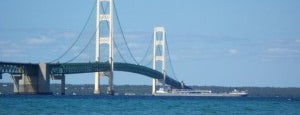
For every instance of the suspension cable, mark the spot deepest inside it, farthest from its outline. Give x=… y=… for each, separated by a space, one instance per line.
x=151 y=60
x=119 y=52
x=123 y=36
x=102 y=8
x=89 y=42
x=78 y=37
x=172 y=68
x=148 y=49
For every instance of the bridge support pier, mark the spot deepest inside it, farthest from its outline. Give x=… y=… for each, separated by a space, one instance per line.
x=28 y=85
x=154 y=86
x=44 y=79
x=16 y=79
x=35 y=81
x=62 y=79
x=63 y=83
x=110 y=88
x=97 y=83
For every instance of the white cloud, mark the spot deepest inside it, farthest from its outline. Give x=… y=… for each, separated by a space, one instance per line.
x=281 y=53
x=25 y=48
x=10 y=51
x=136 y=45
x=282 y=50
x=39 y=40
x=135 y=35
x=233 y=51
x=65 y=35
x=51 y=38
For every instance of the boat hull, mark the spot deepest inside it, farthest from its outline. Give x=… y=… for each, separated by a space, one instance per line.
x=202 y=95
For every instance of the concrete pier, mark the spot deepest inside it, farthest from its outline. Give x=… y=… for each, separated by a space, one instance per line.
x=35 y=80
x=63 y=83
x=16 y=79
x=62 y=79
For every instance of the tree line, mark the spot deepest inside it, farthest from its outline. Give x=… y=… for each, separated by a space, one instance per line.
x=88 y=89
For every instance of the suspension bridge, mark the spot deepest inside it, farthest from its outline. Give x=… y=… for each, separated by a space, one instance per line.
x=34 y=78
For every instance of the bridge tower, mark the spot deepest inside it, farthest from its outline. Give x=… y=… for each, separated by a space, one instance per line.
x=159 y=36
x=104 y=18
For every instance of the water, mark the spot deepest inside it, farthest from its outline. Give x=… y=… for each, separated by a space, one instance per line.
x=145 y=105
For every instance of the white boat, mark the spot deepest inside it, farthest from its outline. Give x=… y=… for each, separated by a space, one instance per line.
x=74 y=93
x=203 y=93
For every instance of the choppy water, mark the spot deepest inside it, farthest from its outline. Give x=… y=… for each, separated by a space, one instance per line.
x=119 y=105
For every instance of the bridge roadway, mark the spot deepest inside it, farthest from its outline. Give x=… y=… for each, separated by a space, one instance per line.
x=73 y=68
x=37 y=75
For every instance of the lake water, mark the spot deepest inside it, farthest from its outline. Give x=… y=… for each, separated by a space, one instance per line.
x=145 y=105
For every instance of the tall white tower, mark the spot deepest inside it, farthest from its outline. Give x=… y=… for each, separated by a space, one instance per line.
x=159 y=36
x=105 y=18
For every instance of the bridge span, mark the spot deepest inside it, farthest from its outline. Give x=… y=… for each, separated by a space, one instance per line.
x=31 y=78
x=35 y=78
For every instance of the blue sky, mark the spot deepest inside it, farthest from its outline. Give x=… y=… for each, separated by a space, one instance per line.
x=212 y=42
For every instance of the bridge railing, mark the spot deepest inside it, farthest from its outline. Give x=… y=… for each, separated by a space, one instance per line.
x=17 y=68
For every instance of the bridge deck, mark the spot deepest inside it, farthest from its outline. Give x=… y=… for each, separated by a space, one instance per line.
x=75 y=68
